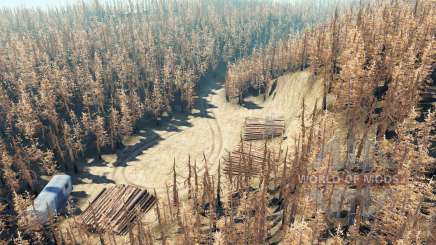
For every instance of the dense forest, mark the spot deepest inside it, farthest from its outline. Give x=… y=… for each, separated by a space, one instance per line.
x=376 y=61
x=83 y=76
x=77 y=80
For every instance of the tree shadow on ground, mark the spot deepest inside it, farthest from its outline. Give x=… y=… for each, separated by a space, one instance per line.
x=251 y=105
x=95 y=179
x=152 y=132
x=207 y=85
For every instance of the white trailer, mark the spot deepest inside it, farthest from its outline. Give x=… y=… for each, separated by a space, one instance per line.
x=52 y=200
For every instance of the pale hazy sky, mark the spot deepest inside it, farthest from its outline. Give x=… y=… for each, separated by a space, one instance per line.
x=57 y=3
x=36 y=3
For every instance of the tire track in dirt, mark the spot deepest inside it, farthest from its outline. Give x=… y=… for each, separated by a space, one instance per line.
x=146 y=145
x=212 y=155
x=211 y=131
x=209 y=125
x=219 y=138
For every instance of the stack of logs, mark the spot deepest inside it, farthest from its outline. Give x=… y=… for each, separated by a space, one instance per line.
x=247 y=160
x=263 y=128
x=115 y=209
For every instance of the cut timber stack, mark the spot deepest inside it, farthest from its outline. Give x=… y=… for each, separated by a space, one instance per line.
x=263 y=128
x=116 y=208
x=247 y=160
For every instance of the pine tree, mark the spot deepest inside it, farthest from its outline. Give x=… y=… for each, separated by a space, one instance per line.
x=126 y=120
x=101 y=138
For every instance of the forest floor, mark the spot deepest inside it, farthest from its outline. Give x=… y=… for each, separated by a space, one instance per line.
x=213 y=126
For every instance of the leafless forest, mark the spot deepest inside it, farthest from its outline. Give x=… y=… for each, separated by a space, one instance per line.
x=74 y=82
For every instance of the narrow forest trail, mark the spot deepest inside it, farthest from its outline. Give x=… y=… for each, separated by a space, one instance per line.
x=213 y=126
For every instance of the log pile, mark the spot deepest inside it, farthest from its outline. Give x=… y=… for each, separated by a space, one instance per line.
x=263 y=128
x=115 y=209
x=247 y=160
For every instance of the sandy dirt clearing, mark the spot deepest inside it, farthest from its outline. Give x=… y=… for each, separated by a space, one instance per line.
x=213 y=126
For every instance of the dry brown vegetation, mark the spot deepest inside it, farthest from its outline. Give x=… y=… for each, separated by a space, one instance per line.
x=75 y=81
x=86 y=82
x=375 y=61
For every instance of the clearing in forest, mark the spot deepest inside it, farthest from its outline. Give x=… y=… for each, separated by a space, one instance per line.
x=213 y=126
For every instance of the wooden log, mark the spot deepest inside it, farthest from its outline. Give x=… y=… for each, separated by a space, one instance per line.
x=116 y=208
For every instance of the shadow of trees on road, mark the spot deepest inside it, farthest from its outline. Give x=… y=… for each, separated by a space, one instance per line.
x=150 y=131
